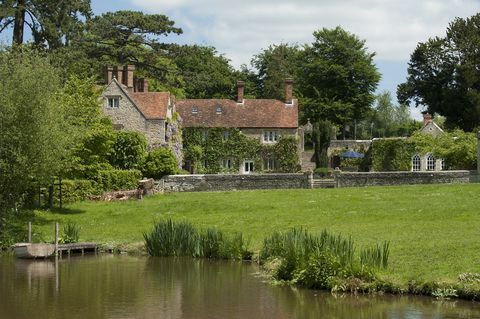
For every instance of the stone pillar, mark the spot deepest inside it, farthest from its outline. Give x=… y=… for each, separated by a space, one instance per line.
x=478 y=152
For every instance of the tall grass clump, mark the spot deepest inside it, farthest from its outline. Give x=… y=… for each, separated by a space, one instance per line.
x=320 y=261
x=170 y=238
x=375 y=256
x=71 y=233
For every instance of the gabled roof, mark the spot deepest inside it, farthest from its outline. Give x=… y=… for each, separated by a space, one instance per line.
x=252 y=113
x=431 y=128
x=152 y=105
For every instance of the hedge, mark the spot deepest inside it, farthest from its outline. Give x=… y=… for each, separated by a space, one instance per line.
x=74 y=191
x=116 y=179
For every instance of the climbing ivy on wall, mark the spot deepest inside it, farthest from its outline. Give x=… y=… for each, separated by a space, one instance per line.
x=458 y=148
x=213 y=145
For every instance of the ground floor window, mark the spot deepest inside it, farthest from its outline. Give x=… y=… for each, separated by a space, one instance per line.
x=430 y=162
x=269 y=164
x=416 y=163
x=227 y=163
x=205 y=164
x=248 y=166
x=444 y=165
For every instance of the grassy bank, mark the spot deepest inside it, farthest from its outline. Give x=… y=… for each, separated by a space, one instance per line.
x=433 y=230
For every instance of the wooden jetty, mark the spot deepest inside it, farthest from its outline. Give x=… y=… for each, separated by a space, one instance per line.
x=33 y=251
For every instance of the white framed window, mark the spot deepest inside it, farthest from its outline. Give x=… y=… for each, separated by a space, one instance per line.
x=227 y=163
x=430 y=162
x=248 y=167
x=416 y=166
x=269 y=164
x=194 y=110
x=218 y=110
x=270 y=136
x=113 y=102
x=444 y=165
x=205 y=135
x=205 y=164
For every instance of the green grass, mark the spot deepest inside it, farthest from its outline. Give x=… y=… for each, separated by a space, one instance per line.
x=433 y=230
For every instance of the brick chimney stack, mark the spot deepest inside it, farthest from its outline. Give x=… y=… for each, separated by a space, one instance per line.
x=128 y=76
x=141 y=85
x=108 y=74
x=240 y=91
x=289 y=91
x=427 y=118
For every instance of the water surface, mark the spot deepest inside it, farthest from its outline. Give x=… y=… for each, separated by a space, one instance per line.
x=130 y=287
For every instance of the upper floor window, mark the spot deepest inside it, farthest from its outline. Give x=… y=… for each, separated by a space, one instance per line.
x=226 y=135
x=270 y=136
x=114 y=102
x=194 y=110
x=430 y=162
x=218 y=110
x=416 y=163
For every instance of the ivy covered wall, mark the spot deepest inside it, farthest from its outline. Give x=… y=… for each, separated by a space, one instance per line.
x=457 y=148
x=223 y=150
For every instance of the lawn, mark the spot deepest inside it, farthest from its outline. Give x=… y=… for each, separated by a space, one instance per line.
x=433 y=230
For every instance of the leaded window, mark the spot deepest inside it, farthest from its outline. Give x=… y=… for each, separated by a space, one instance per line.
x=430 y=162
x=416 y=166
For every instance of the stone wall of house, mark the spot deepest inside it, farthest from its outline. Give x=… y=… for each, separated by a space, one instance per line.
x=128 y=117
x=347 y=179
x=229 y=182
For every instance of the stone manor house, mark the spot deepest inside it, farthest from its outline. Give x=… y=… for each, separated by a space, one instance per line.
x=127 y=101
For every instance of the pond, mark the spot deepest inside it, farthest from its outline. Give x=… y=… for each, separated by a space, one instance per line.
x=107 y=286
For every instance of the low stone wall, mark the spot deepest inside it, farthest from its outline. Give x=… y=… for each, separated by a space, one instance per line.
x=228 y=182
x=347 y=179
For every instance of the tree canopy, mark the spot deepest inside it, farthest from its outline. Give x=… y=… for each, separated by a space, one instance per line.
x=339 y=77
x=443 y=75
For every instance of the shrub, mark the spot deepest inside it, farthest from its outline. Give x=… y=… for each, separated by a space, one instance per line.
x=129 y=150
x=394 y=154
x=115 y=179
x=74 y=191
x=317 y=261
x=159 y=162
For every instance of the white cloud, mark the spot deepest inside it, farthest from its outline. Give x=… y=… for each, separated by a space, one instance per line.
x=242 y=28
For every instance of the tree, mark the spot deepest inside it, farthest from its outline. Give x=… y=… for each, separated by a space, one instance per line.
x=338 y=81
x=129 y=150
x=443 y=75
x=206 y=74
x=32 y=141
x=274 y=65
x=160 y=162
x=51 y=22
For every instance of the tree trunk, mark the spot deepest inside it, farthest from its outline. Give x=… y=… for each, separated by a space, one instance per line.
x=322 y=133
x=19 y=24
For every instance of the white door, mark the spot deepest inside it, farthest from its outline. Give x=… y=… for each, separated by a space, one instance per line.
x=247 y=167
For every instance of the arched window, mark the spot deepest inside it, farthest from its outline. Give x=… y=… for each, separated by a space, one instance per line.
x=416 y=163
x=444 y=164
x=430 y=162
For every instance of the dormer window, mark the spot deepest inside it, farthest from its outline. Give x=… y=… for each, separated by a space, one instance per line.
x=194 y=110
x=113 y=102
x=218 y=110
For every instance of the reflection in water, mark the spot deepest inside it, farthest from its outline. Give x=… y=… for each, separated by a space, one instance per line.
x=129 y=287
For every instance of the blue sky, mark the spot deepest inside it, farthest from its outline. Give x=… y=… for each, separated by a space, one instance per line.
x=240 y=29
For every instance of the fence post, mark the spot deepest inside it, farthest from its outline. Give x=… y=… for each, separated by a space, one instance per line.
x=56 y=238
x=29 y=232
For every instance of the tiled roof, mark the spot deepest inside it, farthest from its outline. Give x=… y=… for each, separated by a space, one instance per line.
x=153 y=105
x=254 y=113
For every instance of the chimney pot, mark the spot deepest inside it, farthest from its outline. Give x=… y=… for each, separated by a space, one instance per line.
x=240 y=91
x=289 y=91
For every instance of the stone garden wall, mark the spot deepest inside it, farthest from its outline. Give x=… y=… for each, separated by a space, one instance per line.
x=346 y=179
x=228 y=182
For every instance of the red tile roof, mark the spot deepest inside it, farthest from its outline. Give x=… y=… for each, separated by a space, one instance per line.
x=254 y=113
x=153 y=105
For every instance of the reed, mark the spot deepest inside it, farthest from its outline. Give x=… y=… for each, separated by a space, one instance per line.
x=375 y=256
x=170 y=238
x=71 y=233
